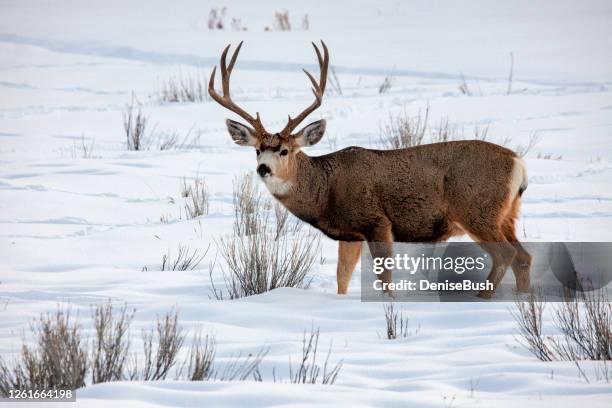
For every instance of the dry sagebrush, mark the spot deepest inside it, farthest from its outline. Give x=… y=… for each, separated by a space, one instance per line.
x=57 y=360
x=260 y=258
x=111 y=343
x=62 y=358
x=308 y=370
x=189 y=88
x=584 y=323
x=196 y=197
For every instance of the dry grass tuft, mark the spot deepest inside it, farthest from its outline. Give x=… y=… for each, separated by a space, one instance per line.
x=134 y=125
x=397 y=325
x=401 y=130
x=281 y=21
x=186 y=259
x=248 y=205
x=190 y=88
x=308 y=370
x=522 y=150
x=196 y=197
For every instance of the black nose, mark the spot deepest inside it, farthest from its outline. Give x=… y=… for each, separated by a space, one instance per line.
x=263 y=170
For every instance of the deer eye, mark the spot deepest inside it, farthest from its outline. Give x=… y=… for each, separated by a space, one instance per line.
x=284 y=152
x=257 y=151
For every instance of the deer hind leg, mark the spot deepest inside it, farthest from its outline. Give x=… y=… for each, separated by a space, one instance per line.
x=380 y=243
x=521 y=264
x=501 y=251
x=348 y=256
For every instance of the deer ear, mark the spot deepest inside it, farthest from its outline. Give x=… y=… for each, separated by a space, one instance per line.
x=241 y=134
x=311 y=134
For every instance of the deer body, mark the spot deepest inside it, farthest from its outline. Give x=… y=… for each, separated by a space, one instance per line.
x=426 y=193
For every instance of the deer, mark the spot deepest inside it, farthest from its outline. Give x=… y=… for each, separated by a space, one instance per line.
x=427 y=194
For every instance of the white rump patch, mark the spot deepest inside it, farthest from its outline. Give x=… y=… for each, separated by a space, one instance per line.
x=518 y=177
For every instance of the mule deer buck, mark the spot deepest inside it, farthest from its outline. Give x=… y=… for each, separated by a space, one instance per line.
x=427 y=193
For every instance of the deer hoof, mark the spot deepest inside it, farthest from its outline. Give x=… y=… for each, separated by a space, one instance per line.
x=486 y=294
x=388 y=294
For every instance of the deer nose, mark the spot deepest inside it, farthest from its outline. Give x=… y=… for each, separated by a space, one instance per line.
x=263 y=170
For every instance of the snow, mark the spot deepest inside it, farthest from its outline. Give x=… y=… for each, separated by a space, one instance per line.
x=77 y=231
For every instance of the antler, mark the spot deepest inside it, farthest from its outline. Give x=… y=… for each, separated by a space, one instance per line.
x=226 y=100
x=317 y=89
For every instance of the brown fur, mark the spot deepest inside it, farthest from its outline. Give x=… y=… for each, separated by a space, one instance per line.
x=421 y=194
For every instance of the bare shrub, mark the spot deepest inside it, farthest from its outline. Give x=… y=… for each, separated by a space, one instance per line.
x=522 y=150
x=334 y=81
x=84 y=149
x=201 y=358
x=190 y=88
x=549 y=156
x=242 y=368
x=161 y=347
x=464 y=88
x=215 y=18
x=510 y=75
x=481 y=133
x=401 y=130
x=584 y=321
x=308 y=371
x=134 y=125
x=332 y=142
x=387 y=82
x=196 y=197
x=506 y=141
x=260 y=259
x=285 y=222
x=248 y=203
x=58 y=360
x=306 y=24
x=111 y=343
x=443 y=133
x=528 y=317
x=257 y=263
x=166 y=140
x=397 y=324
x=281 y=215
x=186 y=259
x=185 y=189
x=236 y=25
x=281 y=21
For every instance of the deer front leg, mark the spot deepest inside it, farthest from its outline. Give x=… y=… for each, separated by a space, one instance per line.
x=348 y=256
x=380 y=243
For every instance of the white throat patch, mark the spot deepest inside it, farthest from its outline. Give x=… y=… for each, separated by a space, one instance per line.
x=277 y=186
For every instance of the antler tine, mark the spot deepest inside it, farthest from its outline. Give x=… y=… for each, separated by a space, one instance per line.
x=226 y=99
x=318 y=88
x=322 y=62
x=234 y=57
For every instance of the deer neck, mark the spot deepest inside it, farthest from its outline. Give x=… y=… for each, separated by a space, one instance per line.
x=305 y=190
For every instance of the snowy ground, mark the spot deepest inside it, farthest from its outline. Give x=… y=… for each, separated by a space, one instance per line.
x=77 y=231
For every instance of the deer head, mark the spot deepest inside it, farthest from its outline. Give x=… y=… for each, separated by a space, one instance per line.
x=275 y=151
